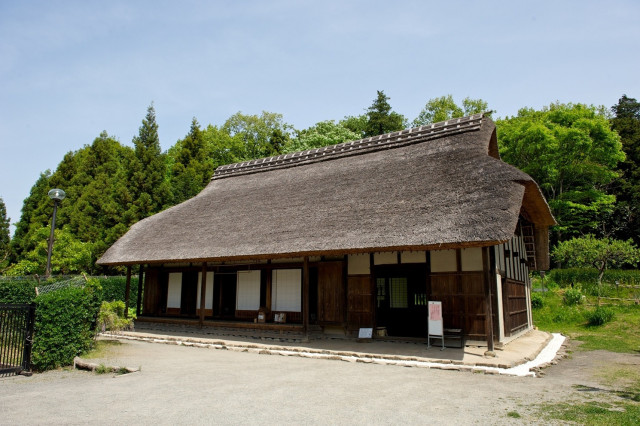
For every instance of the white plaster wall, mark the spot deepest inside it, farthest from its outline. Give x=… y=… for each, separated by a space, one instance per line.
x=385 y=258
x=358 y=264
x=471 y=259
x=413 y=257
x=443 y=261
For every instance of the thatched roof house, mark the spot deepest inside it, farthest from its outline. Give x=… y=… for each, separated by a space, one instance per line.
x=436 y=187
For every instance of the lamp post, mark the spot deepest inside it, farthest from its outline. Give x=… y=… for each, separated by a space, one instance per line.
x=56 y=195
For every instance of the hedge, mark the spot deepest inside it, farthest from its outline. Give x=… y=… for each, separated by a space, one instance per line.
x=113 y=288
x=17 y=291
x=65 y=324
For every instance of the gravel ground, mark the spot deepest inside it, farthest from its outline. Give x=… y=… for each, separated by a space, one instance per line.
x=180 y=385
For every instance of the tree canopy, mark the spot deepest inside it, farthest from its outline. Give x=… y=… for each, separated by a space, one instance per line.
x=570 y=150
x=591 y=252
x=445 y=108
x=626 y=123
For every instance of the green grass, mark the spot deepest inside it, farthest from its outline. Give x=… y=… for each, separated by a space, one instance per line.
x=622 y=334
x=101 y=349
x=594 y=413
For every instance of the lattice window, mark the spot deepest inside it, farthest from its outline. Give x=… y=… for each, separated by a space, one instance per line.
x=398 y=293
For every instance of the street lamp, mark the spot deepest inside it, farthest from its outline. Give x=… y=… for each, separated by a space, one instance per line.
x=56 y=195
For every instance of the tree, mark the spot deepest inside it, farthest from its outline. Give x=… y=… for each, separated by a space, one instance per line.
x=5 y=234
x=191 y=165
x=149 y=186
x=262 y=136
x=602 y=253
x=380 y=118
x=570 y=150
x=34 y=215
x=445 y=108
x=69 y=255
x=321 y=134
x=627 y=189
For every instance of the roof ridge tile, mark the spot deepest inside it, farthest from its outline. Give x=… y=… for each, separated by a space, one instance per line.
x=370 y=144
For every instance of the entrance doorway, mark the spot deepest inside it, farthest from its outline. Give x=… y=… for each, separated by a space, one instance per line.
x=224 y=295
x=402 y=299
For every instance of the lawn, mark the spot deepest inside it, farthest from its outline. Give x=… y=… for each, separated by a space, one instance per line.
x=620 y=334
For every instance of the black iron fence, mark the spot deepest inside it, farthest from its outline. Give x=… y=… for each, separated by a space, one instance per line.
x=16 y=338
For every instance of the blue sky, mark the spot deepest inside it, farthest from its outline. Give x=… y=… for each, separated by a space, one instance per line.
x=71 y=69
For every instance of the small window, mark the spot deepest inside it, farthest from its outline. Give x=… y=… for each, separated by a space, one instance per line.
x=398 y=293
x=382 y=291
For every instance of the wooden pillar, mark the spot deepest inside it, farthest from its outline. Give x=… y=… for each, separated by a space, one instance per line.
x=140 y=286
x=305 y=294
x=268 y=296
x=127 y=292
x=203 y=292
x=488 y=280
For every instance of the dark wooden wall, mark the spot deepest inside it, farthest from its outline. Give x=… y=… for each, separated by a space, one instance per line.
x=514 y=306
x=463 y=301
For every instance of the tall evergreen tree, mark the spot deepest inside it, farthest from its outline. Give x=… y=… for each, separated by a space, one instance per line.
x=627 y=189
x=34 y=216
x=381 y=119
x=150 y=189
x=5 y=234
x=191 y=164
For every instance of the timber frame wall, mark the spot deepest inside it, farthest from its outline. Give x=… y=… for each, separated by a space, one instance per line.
x=485 y=292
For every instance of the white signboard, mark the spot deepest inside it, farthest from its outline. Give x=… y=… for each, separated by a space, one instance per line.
x=435 y=318
x=365 y=333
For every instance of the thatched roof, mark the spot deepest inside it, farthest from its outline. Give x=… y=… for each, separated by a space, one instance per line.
x=435 y=186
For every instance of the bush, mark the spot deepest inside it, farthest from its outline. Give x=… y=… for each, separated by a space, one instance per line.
x=111 y=317
x=65 y=324
x=600 y=316
x=113 y=288
x=17 y=291
x=537 y=301
x=572 y=296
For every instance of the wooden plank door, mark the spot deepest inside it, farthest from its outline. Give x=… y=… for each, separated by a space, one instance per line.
x=331 y=300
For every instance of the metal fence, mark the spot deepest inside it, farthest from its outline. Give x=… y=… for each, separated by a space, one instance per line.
x=16 y=338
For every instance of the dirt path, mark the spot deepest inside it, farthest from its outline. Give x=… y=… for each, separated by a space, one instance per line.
x=178 y=385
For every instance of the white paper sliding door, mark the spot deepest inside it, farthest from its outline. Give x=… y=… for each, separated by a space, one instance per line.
x=286 y=290
x=208 y=296
x=174 y=292
x=248 y=293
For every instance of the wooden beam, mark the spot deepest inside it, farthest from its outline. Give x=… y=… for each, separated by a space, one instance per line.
x=203 y=292
x=305 y=294
x=488 y=324
x=127 y=292
x=140 y=283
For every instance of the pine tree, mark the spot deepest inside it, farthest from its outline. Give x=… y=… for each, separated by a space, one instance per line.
x=151 y=191
x=191 y=165
x=381 y=119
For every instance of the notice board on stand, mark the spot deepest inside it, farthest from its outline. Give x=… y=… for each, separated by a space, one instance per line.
x=435 y=319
